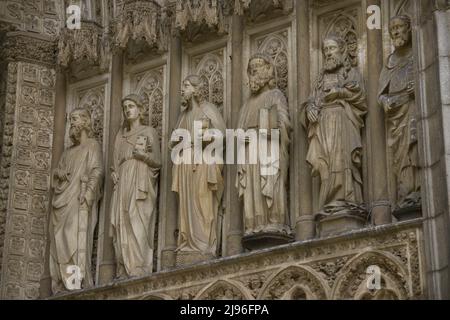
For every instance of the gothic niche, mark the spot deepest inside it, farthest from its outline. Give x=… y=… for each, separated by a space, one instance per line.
x=210 y=69
x=94 y=101
x=275 y=47
x=344 y=26
x=149 y=86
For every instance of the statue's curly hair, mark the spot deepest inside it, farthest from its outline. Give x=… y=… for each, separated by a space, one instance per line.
x=200 y=86
x=272 y=70
x=85 y=114
x=347 y=62
x=404 y=18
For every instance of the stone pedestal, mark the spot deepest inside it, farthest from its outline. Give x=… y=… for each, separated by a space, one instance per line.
x=339 y=223
x=265 y=240
x=408 y=213
x=189 y=258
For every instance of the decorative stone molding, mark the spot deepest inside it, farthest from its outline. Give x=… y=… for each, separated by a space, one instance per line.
x=254 y=9
x=141 y=20
x=21 y=46
x=331 y=268
x=209 y=12
x=85 y=45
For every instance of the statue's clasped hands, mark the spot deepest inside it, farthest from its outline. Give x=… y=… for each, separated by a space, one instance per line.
x=62 y=175
x=313 y=113
x=139 y=155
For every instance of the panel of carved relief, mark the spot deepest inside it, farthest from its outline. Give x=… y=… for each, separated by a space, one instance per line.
x=30 y=184
x=33 y=16
x=149 y=85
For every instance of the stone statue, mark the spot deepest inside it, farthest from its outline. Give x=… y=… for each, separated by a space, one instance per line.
x=397 y=97
x=135 y=172
x=333 y=117
x=264 y=196
x=199 y=186
x=77 y=183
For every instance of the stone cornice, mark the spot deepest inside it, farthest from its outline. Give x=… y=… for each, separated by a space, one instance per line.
x=24 y=46
x=383 y=244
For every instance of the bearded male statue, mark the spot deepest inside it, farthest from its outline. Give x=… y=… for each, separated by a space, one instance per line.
x=264 y=194
x=77 y=184
x=333 y=117
x=397 y=97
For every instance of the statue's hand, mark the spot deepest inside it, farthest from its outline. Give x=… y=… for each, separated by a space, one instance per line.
x=62 y=175
x=115 y=178
x=139 y=155
x=312 y=113
x=332 y=95
x=411 y=88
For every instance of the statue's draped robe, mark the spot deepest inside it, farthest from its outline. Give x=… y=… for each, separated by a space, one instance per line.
x=71 y=227
x=402 y=129
x=265 y=195
x=335 y=148
x=134 y=203
x=200 y=188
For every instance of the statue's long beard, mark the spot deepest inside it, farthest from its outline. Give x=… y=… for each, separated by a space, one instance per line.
x=75 y=133
x=332 y=63
x=256 y=84
x=185 y=100
x=400 y=41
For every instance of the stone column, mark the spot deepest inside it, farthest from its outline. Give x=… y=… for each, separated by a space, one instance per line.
x=432 y=54
x=377 y=162
x=59 y=130
x=233 y=208
x=106 y=261
x=168 y=200
x=26 y=162
x=305 y=225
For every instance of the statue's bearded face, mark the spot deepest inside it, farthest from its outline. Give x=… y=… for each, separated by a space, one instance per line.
x=78 y=123
x=259 y=74
x=188 y=91
x=131 y=110
x=333 y=55
x=400 y=32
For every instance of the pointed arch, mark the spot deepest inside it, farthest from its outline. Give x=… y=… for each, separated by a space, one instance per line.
x=353 y=278
x=224 y=289
x=287 y=280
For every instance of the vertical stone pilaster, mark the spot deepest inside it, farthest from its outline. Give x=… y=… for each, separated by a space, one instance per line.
x=377 y=164
x=233 y=207
x=26 y=162
x=106 y=260
x=168 y=201
x=305 y=225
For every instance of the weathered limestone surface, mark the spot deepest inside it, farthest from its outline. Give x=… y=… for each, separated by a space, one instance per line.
x=146 y=48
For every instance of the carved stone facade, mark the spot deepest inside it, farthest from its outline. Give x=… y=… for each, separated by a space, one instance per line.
x=333 y=268
x=147 y=48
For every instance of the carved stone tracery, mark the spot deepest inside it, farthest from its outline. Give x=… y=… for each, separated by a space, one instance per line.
x=141 y=21
x=86 y=45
